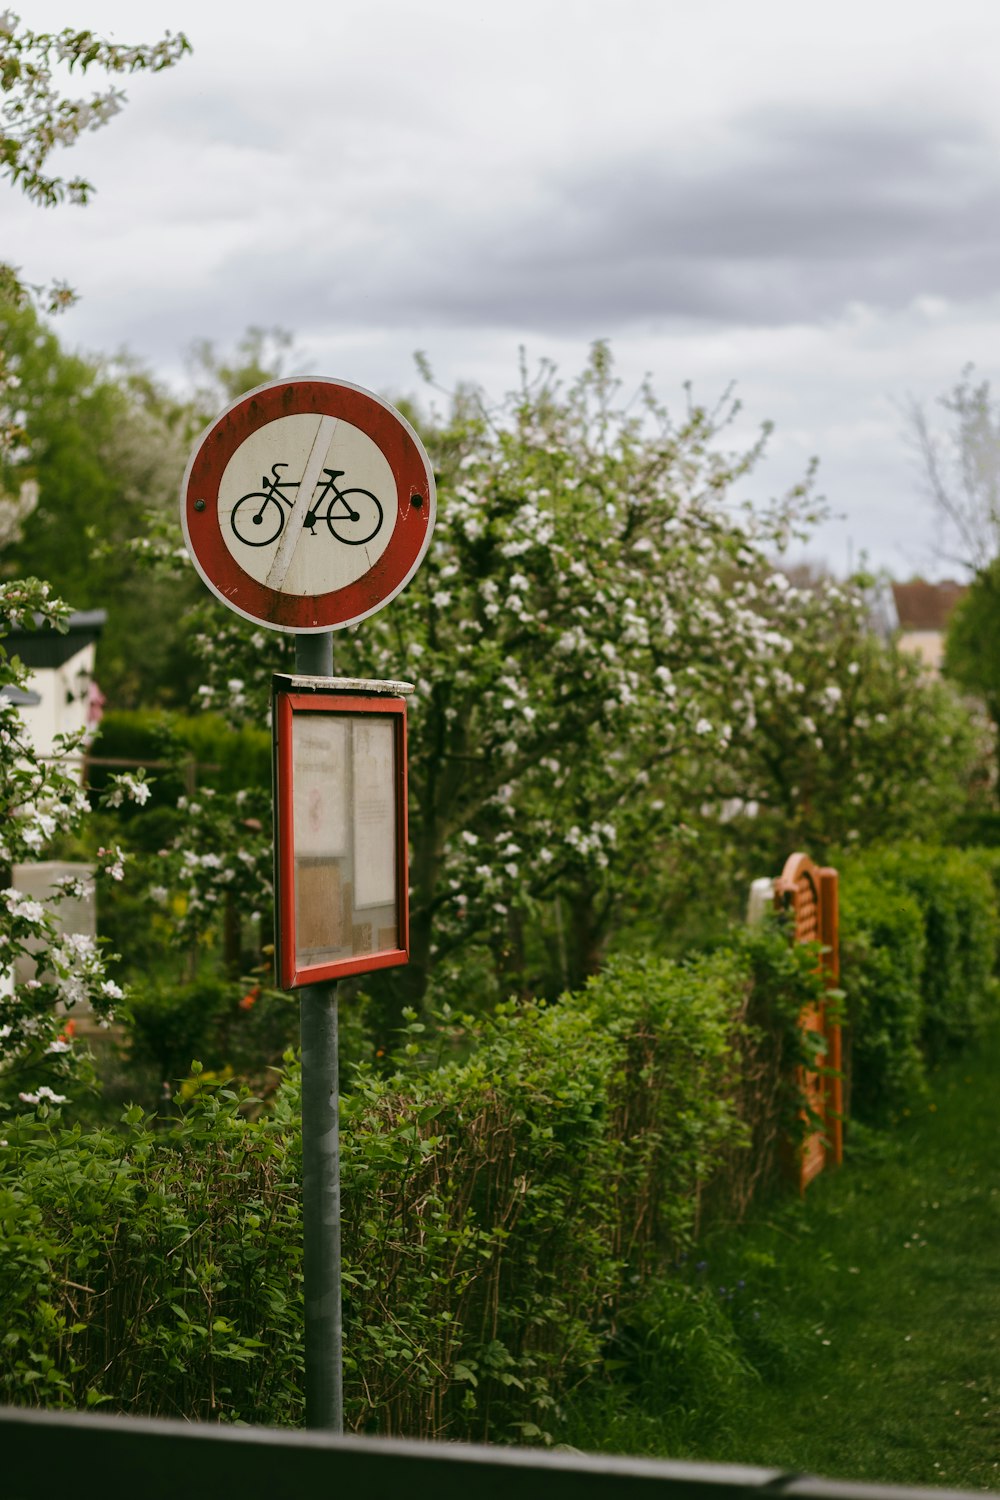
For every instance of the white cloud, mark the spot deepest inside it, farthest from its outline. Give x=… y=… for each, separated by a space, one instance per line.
x=805 y=201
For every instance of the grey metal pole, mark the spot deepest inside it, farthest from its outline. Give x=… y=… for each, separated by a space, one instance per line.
x=321 y=1159
x=314 y=654
x=321 y=1208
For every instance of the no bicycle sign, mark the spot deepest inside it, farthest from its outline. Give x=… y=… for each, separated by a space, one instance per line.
x=308 y=504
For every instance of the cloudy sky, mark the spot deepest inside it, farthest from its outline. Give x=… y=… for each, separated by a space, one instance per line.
x=802 y=200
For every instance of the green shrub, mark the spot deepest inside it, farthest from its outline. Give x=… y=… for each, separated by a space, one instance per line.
x=920 y=938
x=516 y=1201
x=958 y=905
x=882 y=954
x=680 y=1351
x=223 y=758
x=502 y=1210
x=231 y=1027
x=988 y=859
x=151 y=1272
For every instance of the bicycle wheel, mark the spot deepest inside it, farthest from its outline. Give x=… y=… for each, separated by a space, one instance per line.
x=363 y=522
x=261 y=521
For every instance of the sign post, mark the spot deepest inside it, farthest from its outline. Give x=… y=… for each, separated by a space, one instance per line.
x=307 y=505
x=319 y=1050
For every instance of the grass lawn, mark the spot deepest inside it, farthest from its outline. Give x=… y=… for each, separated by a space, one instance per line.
x=856 y=1334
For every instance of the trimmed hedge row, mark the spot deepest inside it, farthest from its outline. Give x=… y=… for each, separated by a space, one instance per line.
x=920 y=935
x=511 y=1192
x=499 y=1209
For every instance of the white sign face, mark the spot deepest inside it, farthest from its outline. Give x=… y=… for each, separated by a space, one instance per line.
x=307 y=504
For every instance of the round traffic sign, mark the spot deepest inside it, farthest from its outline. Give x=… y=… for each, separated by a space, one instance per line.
x=308 y=504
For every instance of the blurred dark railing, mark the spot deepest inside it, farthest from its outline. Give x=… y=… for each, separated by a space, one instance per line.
x=44 y=1454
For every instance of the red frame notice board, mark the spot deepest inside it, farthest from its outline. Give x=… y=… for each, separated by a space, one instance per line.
x=341 y=869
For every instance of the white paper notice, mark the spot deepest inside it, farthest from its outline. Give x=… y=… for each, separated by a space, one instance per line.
x=319 y=755
x=374 y=813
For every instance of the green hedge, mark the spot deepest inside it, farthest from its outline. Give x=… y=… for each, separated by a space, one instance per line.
x=226 y=759
x=920 y=936
x=882 y=952
x=149 y=1272
x=511 y=1191
x=500 y=1209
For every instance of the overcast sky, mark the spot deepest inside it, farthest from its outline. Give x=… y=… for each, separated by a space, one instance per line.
x=801 y=199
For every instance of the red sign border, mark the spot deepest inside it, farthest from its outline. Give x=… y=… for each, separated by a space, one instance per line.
x=285 y=704
x=305 y=613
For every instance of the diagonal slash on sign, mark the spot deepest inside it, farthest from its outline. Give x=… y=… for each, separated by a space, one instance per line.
x=278 y=570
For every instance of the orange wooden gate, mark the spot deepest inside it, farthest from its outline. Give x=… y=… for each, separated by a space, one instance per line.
x=809 y=894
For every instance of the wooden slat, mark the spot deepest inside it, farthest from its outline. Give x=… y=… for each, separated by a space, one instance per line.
x=810 y=895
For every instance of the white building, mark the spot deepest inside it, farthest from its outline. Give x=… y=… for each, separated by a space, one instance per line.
x=62 y=696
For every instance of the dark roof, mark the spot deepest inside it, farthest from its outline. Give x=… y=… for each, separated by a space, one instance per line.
x=926 y=606
x=42 y=646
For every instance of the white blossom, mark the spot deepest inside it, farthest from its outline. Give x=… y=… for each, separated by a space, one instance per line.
x=43 y=1095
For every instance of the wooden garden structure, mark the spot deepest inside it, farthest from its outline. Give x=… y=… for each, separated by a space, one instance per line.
x=808 y=894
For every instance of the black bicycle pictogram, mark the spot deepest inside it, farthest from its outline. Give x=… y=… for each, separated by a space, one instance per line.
x=354 y=516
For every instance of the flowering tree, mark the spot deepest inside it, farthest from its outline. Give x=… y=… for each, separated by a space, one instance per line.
x=35 y=116
x=38 y=800
x=618 y=696
x=574 y=637
x=45 y=974
x=607 y=665
x=850 y=743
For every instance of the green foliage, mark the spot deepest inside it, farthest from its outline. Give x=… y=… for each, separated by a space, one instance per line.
x=988 y=859
x=514 y=1188
x=921 y=935
x=680 y=1358
x=230 y=1026
x=103 y=449
x=502 y=1210
x=971 y=657
x=34 y=118
x=882 y=954
x=153 y=1272
x=867 y=1313
x=962 y=932
x=200 y=749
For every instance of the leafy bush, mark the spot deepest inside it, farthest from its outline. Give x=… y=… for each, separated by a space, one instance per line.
x=223 y=758
x=680 y=1352
x=920 y=935
x=882 y=954
x=230 y=1027
x=512 y=1189
x=958 y=905
x=156 y=1273
x=502 y=1207
x=988 y=859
